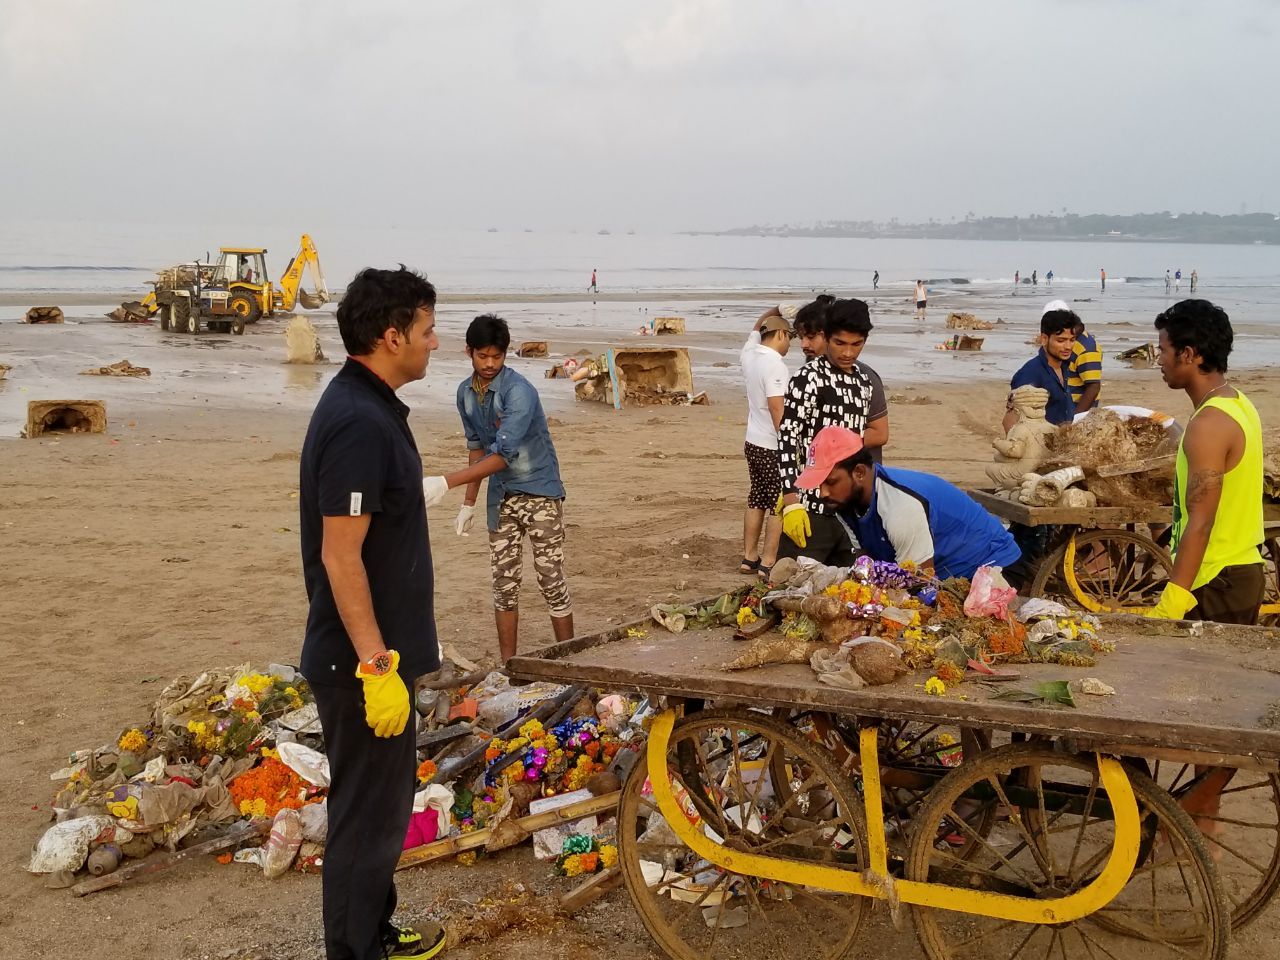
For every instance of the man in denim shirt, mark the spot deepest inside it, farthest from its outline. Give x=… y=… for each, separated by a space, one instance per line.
x=508 y=442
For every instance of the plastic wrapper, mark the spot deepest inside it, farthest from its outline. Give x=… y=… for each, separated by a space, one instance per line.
x=990 y=595
x=311 y=765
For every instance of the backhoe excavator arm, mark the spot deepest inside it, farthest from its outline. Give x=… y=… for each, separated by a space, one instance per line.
x=306 y=258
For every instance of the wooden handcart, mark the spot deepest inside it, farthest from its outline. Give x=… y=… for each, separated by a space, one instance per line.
x=767 y=821
x=1116 y=559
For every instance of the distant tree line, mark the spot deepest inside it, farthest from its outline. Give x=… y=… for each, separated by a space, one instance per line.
x=1163 y=227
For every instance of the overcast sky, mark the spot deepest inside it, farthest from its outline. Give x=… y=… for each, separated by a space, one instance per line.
x=666 y=114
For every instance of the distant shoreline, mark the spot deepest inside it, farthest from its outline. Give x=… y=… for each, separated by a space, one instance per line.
x=1091 y=238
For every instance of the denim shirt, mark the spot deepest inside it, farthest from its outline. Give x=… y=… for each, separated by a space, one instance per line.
x=508 y=420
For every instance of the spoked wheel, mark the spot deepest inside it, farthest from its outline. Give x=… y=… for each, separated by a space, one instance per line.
x=1053 y=836
x=1271 y=597
x=913 y=757
x=696 y=910
x=1115 y=569
x=1238 y=813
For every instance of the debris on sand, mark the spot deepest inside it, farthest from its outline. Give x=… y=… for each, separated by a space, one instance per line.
x=65 y=416
x=967 y=321
x=4 y=369
x=668 y=325
x=131 y=311
x=532 y=348
x=121 y=368
x=924 y=400
x=44 y=315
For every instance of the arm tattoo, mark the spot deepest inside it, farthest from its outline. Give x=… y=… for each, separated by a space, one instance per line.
x=1202 y=483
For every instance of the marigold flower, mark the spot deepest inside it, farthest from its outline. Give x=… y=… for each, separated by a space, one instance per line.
x=934 y=687
x=133 y=741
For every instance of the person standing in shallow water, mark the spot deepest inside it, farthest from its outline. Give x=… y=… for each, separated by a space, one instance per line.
x=593 y=287
x=922 y=299
x=1103 y=272
x=875 y=281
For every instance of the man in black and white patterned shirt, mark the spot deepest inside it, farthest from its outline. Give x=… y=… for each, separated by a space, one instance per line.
x=830 y=390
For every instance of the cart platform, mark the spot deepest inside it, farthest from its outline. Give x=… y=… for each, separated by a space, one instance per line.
x=1207 y=688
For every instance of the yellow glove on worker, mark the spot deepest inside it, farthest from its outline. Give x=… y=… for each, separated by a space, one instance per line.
x=386 y=700
x=1174 y=604
x=795 y=523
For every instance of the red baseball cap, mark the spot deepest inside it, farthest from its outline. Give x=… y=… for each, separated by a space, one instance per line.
x=829 y=447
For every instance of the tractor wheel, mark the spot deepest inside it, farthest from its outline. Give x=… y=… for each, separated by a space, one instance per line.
x=237 y=326
x=245 y=305
x=181 y=317
x=162 y=317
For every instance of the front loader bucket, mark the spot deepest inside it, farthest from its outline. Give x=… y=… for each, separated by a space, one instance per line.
x=311 y=301
x=131 y=311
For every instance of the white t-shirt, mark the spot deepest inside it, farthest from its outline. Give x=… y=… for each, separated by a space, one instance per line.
x=766 y=376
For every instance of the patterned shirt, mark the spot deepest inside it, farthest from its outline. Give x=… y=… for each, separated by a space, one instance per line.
x=819 y=395
x=1085 y=366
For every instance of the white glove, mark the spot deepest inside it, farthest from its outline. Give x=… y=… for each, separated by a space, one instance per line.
x=434 y=489
x=466 y=517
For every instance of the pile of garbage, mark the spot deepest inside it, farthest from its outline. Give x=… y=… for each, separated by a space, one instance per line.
x=232 y=762
x=875 y=621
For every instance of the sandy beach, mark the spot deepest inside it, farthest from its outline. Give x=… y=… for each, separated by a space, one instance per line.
x=170 y=544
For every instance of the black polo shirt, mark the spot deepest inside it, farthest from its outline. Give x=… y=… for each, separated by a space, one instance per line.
x=360 y=457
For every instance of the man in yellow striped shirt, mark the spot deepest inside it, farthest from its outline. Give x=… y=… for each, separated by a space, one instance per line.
x=1084 y=371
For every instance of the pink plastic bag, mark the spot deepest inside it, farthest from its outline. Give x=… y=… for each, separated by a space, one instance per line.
x=989 y=595
x=423 y=828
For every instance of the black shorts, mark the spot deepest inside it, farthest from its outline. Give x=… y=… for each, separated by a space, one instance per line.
x=920 y=304
x=766 y=483
x=1233 y=596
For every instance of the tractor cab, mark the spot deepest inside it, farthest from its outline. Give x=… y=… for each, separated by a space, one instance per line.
x=242 y=273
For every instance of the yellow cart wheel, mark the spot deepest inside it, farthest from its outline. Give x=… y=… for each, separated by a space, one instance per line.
x=1115 y=571
x=1053 y=834
x=914 y=756
x=693 y=909
x=1238 y=813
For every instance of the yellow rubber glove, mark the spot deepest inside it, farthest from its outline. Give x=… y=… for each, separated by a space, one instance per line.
x=795 y=523
x=1175 y=603
x=386 y=700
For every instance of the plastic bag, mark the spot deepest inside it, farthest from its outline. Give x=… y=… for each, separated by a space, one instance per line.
x=311 y=765
x=315 y=821
x=282 y=846
x=64 y=846
x=989 y=595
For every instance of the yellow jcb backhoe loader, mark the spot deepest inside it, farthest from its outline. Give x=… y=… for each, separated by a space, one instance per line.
x=239 y=289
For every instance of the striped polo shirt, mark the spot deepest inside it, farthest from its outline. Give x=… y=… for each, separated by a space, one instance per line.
x=1085 y=366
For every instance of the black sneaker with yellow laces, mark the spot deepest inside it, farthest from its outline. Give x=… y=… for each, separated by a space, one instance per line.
x=411 y=942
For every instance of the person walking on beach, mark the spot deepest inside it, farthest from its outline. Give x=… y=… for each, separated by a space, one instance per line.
x=1168 y=281
x=829 y=390
x=1103 y=271
x=1034 y=281
x=766 y=379
x=1194 y=280
x=1017 y=279
x=593 y=287
x=508 y=442
x=1048 y=278
x=1177 y=281
x=922 y=299
x=371 y=631
x=875 y=281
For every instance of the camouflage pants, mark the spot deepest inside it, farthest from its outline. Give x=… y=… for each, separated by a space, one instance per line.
x=542 y=520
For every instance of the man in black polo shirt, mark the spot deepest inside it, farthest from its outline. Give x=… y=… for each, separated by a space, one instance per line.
x=371 y=628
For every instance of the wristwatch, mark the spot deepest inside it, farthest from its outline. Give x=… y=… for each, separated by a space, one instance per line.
x=378 y=665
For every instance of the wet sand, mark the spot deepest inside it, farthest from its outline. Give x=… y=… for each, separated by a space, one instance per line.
x=170 y=544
